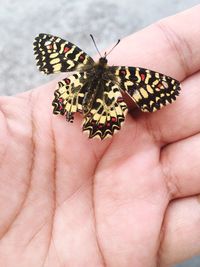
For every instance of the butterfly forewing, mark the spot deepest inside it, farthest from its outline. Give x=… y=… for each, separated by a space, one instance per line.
x=150 y=90
x=107 y=113
x=54 y=55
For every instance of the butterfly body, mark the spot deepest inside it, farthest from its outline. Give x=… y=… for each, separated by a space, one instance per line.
x=94 y=89
x=97 y=77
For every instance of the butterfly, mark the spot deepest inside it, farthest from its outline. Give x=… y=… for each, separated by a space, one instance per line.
x=95 y=89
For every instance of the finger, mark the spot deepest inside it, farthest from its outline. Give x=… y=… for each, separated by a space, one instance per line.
x=181 y=167
x=181 y=236
x=170 y=46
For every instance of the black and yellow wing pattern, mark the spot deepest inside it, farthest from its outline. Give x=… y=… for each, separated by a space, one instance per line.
x=54 y=55
x=69 y=95
x=149 y=90
x=107 y=113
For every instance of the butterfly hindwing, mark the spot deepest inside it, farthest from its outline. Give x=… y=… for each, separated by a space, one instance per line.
x=54 y=55
x=69 y=95
x=107 y=113
x=150 y=90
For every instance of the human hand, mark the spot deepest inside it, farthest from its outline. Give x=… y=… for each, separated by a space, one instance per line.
x=131 y=200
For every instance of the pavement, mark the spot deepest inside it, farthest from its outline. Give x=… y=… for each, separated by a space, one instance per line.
x=107 y=20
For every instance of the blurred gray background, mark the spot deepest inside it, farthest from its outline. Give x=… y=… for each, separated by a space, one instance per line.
x=107 y=20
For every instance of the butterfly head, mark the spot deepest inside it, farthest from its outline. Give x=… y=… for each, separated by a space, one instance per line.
x=103 y=61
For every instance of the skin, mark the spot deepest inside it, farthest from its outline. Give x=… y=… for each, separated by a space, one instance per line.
x=131 y=200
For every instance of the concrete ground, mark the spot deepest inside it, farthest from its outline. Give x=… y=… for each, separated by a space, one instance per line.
x=107 y=20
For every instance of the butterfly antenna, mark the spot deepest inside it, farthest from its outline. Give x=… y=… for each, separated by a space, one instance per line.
x=112 y=48
x=95 y=44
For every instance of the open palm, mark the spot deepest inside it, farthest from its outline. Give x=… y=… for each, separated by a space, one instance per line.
x=131 y=200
